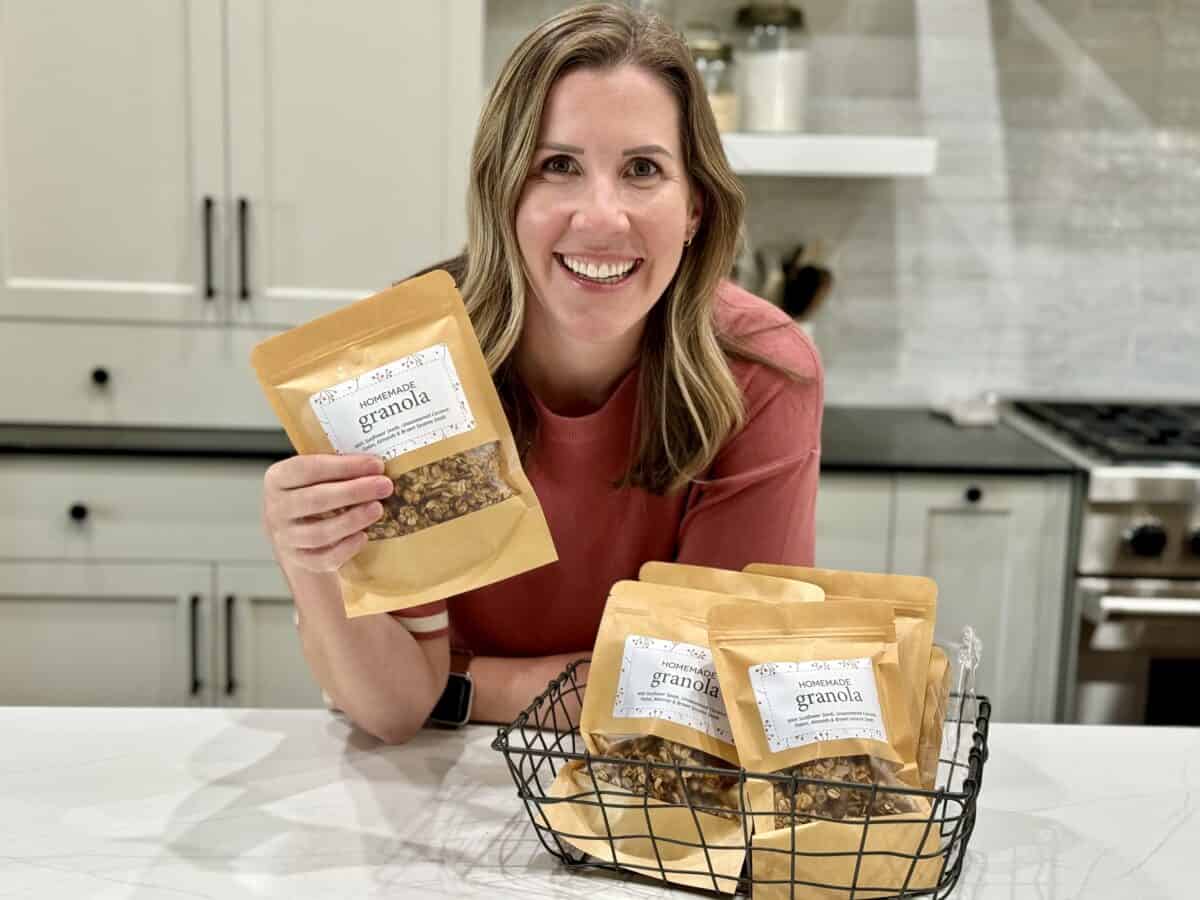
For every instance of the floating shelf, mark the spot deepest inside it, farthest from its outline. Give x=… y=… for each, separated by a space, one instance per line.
x=845 y=156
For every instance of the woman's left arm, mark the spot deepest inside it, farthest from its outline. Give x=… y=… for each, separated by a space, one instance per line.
x=758 y=501
x=504 y=686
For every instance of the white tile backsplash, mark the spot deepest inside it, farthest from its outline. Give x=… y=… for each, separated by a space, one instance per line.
x=1057 y=249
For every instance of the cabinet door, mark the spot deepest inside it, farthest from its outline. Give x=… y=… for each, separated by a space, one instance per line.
x=111 y=140
x=854 y=522
x=86 y=508
x=997 y=549
x=258 y=656
x=350 y=130
x=103 y=634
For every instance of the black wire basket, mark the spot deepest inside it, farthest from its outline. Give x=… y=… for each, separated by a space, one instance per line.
x=545 y=739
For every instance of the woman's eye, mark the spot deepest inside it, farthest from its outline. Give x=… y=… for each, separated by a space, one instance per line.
x=558 y=165
x=643 y=168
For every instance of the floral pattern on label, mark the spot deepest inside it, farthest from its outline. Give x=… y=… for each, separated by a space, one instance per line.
x=409 y=403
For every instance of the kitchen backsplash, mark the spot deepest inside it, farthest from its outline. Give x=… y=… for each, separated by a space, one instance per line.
x=1057 y=247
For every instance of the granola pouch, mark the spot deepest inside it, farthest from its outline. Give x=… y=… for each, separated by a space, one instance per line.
x=401 y=375
x=815 y=692
x=914 y=603
x=653 y=715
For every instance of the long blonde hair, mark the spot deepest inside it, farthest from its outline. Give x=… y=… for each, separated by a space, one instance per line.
x=688 y=400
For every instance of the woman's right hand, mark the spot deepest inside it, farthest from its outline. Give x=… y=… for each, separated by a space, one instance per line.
x=316 y=507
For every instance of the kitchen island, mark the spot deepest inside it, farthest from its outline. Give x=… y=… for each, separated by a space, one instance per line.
x=226 y=803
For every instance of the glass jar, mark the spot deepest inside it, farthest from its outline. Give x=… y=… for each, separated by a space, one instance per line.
x=714 y=60
x=772 y=67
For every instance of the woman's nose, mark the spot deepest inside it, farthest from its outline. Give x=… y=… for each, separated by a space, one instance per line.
x=601 y=210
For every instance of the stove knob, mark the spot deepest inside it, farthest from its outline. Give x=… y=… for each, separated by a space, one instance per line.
x=1147 y=539
x=1194 y=542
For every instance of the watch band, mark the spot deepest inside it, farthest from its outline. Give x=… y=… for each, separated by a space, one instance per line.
x=460 y=661
x=453 y=709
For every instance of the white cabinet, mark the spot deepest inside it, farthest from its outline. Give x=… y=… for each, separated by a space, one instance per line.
x=997 y=548
x=259 y=660
x=111 y=157
x=142 y=582
x=104 y=634
x=180 y=179
x=350 y=124
x=260 y=161
x=854 y=522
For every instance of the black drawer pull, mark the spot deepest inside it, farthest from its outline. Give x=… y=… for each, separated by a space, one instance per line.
x=100 y=376
x=78 y=511
x=974 y=494
x=230 y=680
x=210 y=289
x=244 y=248
x=197 y=684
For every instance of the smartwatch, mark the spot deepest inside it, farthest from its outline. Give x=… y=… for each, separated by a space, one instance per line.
x=453 y=709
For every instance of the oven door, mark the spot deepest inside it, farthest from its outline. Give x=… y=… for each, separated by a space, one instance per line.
x=1139 y=650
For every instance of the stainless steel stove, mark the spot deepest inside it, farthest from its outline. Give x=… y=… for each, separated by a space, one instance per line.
x=1137 y=567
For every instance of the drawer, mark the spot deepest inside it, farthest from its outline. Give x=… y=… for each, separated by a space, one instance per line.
x=132 y=374
x=131 y=509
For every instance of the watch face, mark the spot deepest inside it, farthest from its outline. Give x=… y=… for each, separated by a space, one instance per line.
x=454 y=706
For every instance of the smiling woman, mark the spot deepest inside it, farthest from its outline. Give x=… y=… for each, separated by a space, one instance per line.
x=661 y=412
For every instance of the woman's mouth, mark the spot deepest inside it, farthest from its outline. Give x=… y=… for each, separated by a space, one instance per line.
x=606 y=274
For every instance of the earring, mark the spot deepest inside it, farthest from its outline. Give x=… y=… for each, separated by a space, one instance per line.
x=688 y=242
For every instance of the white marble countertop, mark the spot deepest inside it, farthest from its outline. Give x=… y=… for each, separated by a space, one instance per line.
x=214 y=803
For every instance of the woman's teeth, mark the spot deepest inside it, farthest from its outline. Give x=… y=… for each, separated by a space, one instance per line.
x=604 y=272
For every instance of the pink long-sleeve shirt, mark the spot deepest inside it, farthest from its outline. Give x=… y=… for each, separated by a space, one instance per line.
x=755 y=503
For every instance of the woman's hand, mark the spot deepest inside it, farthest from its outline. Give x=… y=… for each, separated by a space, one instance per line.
x=316 y=507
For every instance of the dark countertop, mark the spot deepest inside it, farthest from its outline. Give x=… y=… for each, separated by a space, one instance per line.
x=917 y=440
x=855 y=439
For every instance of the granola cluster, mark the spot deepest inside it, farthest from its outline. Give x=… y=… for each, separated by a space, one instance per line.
x=834 y=802
x=442 y=490
x=703 y=789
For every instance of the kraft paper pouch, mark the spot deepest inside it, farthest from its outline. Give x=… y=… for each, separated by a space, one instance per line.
x=401 y=375
x=913 y=599
x=653 y=695
x=896 y=849
x=727 y=581
x=937 y=699
x=816 y=690
x=817 y=686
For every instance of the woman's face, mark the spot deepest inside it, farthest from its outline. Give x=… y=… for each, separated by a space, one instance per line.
x=607 y=205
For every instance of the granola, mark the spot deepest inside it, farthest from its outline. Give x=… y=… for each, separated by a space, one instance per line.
x=442 y=490
x=836 y=801
x=701 y=789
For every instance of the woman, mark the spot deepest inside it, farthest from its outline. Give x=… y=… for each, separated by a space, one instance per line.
x=662 y=412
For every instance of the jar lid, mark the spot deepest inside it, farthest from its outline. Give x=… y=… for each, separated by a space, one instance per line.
x=704 y=40
x=778 y=14
x=711 y=49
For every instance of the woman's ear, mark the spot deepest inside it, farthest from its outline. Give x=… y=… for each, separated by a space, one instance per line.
x=695 y=214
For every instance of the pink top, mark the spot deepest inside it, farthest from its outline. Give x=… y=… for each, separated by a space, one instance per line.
x=756 y=503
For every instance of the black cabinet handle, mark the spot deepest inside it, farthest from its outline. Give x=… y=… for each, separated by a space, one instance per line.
x=974 y=494
x=100 y=376
x=197 y=684
x=230 y=681
x=78 y=512
x=210 y=289
x=243 y=248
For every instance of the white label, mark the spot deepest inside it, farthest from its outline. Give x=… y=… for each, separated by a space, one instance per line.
x=672 y=681
x=412 y=402
x=823 y=700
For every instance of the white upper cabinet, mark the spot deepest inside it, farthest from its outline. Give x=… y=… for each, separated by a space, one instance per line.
x=110 y=143
x=346 y=125
x=350 y=129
